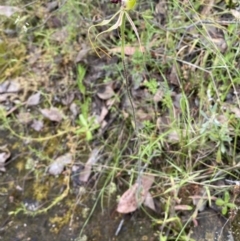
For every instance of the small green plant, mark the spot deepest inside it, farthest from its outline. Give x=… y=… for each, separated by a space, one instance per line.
x=87 y=126
x=216 y=131
x=225 y=203
x=152 y=85
x=81 y=71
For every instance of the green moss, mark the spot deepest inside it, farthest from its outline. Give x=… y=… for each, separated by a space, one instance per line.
x=40 y=191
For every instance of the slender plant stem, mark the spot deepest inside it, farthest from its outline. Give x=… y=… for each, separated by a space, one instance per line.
x=139 y=162
x=125 y=69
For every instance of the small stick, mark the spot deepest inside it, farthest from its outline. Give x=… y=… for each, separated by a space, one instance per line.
x=119 y=227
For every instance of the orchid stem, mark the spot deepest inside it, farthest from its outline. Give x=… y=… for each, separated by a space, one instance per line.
x=125 y=69
x=139 y=162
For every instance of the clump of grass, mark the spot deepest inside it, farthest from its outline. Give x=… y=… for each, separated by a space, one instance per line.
x=190 y=143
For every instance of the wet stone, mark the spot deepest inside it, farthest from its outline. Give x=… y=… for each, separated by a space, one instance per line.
x=211 y=227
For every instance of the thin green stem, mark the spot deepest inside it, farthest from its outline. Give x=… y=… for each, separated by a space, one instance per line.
x=139 y=162
x=125 y=69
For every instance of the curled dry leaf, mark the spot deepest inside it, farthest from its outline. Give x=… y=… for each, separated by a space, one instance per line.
x=58 y=165
x=86 y=172
x=136 y=195
x=53 y=114
x=4 y=155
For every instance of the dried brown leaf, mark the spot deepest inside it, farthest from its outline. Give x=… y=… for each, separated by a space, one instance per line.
x=236 y=111
x=4 y=97
x=128 y=50
x=200 y=199
x=58 y=165
x=221 y=44
x=173 y=137
x=33 y=99
x=183 y=207
x=53 y=114
x=37 y=125
x=128 y=202
x=235 y=13
x=10 y=86
x=223 y=119
x=4 y=87
x=82 y=53
x=68 y=98
x=107 y=93
x=104 y=112
x=13 y=87
x=60 y=35
x=147 y=182
x=25 y=117
x=74 y=108
x=8 y=11
x=86 y=172
x=216 y=37
x=4 y=155
x=149 y=201
x=173 y=77
x=143 y=115
x=52 y=6
x=135 y=195
x=158 y=96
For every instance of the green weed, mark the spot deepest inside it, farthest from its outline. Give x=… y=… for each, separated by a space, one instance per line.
x=87 y=126
x=225 y=203
x=87 y=123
